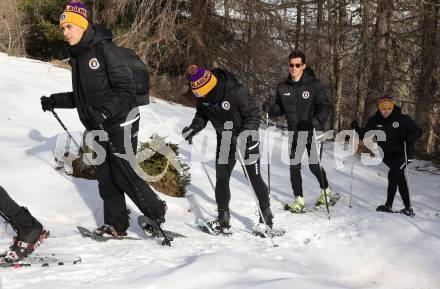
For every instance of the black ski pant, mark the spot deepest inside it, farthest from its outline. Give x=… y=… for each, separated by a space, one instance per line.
x=19 y=217
x=223 y=176
x=295 y=167
x=116 y=176
x=397 y=179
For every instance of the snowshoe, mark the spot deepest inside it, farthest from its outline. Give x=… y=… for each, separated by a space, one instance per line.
x=217 y=226
x=385 y=209
x=102 y=238
x=214 y=227
x=151 y=229
x=20 y=249
x=264 y=231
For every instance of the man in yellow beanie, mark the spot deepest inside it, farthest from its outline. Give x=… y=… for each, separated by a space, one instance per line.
x=401 y=133
x=232 y=110
x=74 y=22
x=103 y=89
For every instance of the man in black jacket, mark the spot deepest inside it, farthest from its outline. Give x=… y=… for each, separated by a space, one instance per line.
x=401 y=132
x=103 y=94
x=232 y=110
x=304 y=102
x=30 y=233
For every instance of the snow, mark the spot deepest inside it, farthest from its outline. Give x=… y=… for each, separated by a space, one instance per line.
x=357 y=248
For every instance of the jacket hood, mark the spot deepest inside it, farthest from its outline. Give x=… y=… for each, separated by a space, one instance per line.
x=101 y=33
x=94 y=33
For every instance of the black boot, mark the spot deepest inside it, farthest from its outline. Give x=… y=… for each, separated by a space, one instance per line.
x=267 y=214
x=30 y=235
x=107 y=229
x=408 y=211
x=384 y=208
x=221 y=224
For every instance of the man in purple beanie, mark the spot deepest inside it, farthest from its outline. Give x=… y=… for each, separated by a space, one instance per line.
x=227 y=104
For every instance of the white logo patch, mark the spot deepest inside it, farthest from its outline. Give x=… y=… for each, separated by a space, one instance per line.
x=306 y=94
x=287 y=94
x=395 y=124
x=94 y=64
x=226 y=105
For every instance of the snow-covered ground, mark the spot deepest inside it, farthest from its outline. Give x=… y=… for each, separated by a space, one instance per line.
x=357 y=248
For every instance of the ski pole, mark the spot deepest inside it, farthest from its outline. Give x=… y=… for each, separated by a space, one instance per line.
x=351 y=171
x=254 y=194
x=438 y=206
x=73 y=140
x=204 y=168
x=318 y=152
x=268 y=153
x=406 y=167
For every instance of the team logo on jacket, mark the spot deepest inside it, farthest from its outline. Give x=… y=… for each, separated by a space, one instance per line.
x=93 y=63
x=306 y=94
x=226 y=105
x=395 y=124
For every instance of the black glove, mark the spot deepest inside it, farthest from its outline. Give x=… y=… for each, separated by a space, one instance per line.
x=354 y=125
x=188 y=133
x=403 y=164
x=267 y=106
x=97 y=117
x=304 y=126
x=271 y=108
x=47 y=103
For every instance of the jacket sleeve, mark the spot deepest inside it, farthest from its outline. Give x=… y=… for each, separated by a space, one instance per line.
x=247 y=107
x=277 y=107
x=64 y=100
x=412 y=130
x=120 y=79
x=370 y=125
x=322 y=106
x=199 y=121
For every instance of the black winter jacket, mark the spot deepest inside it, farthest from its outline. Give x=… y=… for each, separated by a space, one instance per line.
x=100 y=79
x=305 y=100
x=230 y=101
x=398 y=128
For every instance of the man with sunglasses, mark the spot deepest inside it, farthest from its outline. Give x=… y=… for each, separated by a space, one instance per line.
x=304 y=101
x=401 y=132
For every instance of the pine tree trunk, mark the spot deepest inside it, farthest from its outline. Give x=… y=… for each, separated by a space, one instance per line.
x=427 y=87
x=298 y=24
x=318 y=37
x=199 y=14
x=339 y=40
x=382 y=37
x=364 y=63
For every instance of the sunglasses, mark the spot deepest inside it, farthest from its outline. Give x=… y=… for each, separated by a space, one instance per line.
x=296 y=65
